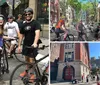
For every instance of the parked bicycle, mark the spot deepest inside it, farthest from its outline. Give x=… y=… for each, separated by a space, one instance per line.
x=41 y=77
x=69 y=37
x=93 y=34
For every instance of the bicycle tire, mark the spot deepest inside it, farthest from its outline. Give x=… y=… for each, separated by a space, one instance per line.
x=14 y=53
x=19 y=57
x=13 y=79
x=5 y=61
x=70 y=37
x=0 y=66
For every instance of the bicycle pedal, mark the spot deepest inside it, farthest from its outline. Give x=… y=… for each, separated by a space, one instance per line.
x=7 y=71
x=37 y=80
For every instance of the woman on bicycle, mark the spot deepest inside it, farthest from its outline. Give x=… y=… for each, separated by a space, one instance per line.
x=30 y=31
x=1 y=31
x=60 y=27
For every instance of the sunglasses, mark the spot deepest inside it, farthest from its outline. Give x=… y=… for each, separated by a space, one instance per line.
x=28 y=14
x=10 y=18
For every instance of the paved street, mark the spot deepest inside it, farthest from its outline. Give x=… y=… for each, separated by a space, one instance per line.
x=13 y=63
x=69 y=83
x=72 y=30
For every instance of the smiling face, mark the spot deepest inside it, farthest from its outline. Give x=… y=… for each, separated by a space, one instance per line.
x=28 y=16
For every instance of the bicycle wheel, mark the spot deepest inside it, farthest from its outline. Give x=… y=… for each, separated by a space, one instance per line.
x=15 y=78
x=17 y=55
x=4 y=59
x=70 y=37
x=0 y=65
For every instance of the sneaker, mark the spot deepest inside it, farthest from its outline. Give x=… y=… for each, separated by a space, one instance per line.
x=32 y=77
x=10 y=56
x=23 y=74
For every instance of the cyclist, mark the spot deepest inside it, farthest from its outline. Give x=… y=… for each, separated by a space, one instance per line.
x=97 y=32
x=1 y=31
x=60 y=27
x=30 y=31
x=80 y=28
x=12 y=31
x=19 y=20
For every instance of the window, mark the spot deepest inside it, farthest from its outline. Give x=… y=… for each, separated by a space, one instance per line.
x=69 y=56
x=43 y=11
x=69 y=46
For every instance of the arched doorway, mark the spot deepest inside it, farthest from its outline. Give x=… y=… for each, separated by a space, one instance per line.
x=68 y=73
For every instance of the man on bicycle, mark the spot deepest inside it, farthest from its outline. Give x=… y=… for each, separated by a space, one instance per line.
x=60 y=27
x=97 y=31
x=30 y=31
x=12 y=31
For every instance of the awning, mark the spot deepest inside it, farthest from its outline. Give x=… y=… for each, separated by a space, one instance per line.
x=2 y=2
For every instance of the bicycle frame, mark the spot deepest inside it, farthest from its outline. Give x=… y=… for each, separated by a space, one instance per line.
x=40 y=76
x=36 y=63
x=5 y=65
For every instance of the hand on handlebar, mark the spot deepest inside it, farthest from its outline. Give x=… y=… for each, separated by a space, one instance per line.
x=19 y=49
x=34 y=45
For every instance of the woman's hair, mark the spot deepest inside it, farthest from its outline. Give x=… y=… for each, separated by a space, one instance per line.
x=2 y=26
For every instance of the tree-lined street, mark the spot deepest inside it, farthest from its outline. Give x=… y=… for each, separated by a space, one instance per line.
x=74 y=12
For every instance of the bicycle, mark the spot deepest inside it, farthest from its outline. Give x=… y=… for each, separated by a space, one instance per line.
x=82 y=37
x=69 y=37
x=4 y=67
x=93 y=34
x=41 y=77
x=14 y=51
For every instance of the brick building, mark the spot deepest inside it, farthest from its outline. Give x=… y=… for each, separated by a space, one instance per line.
x=54 y=11
x=73 y=62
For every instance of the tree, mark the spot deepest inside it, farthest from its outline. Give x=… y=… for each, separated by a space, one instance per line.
x=95 y=71
x=75 y=4
x=64 y=6
x=91 y=8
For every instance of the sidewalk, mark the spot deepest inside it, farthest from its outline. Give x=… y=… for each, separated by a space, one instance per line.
x=70 y=83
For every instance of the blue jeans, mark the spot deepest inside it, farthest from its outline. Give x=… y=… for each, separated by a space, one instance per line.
x=1 y=42
x=57 y=31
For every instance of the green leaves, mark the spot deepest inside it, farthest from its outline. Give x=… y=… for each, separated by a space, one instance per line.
x=75 y=4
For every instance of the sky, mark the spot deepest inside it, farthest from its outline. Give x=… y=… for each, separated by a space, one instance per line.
x=94 y=49
x=84 y=1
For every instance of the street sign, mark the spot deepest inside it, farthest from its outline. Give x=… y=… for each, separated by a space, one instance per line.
x=10 y=3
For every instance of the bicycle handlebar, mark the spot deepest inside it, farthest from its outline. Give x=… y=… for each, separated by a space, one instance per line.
x=42 y=48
